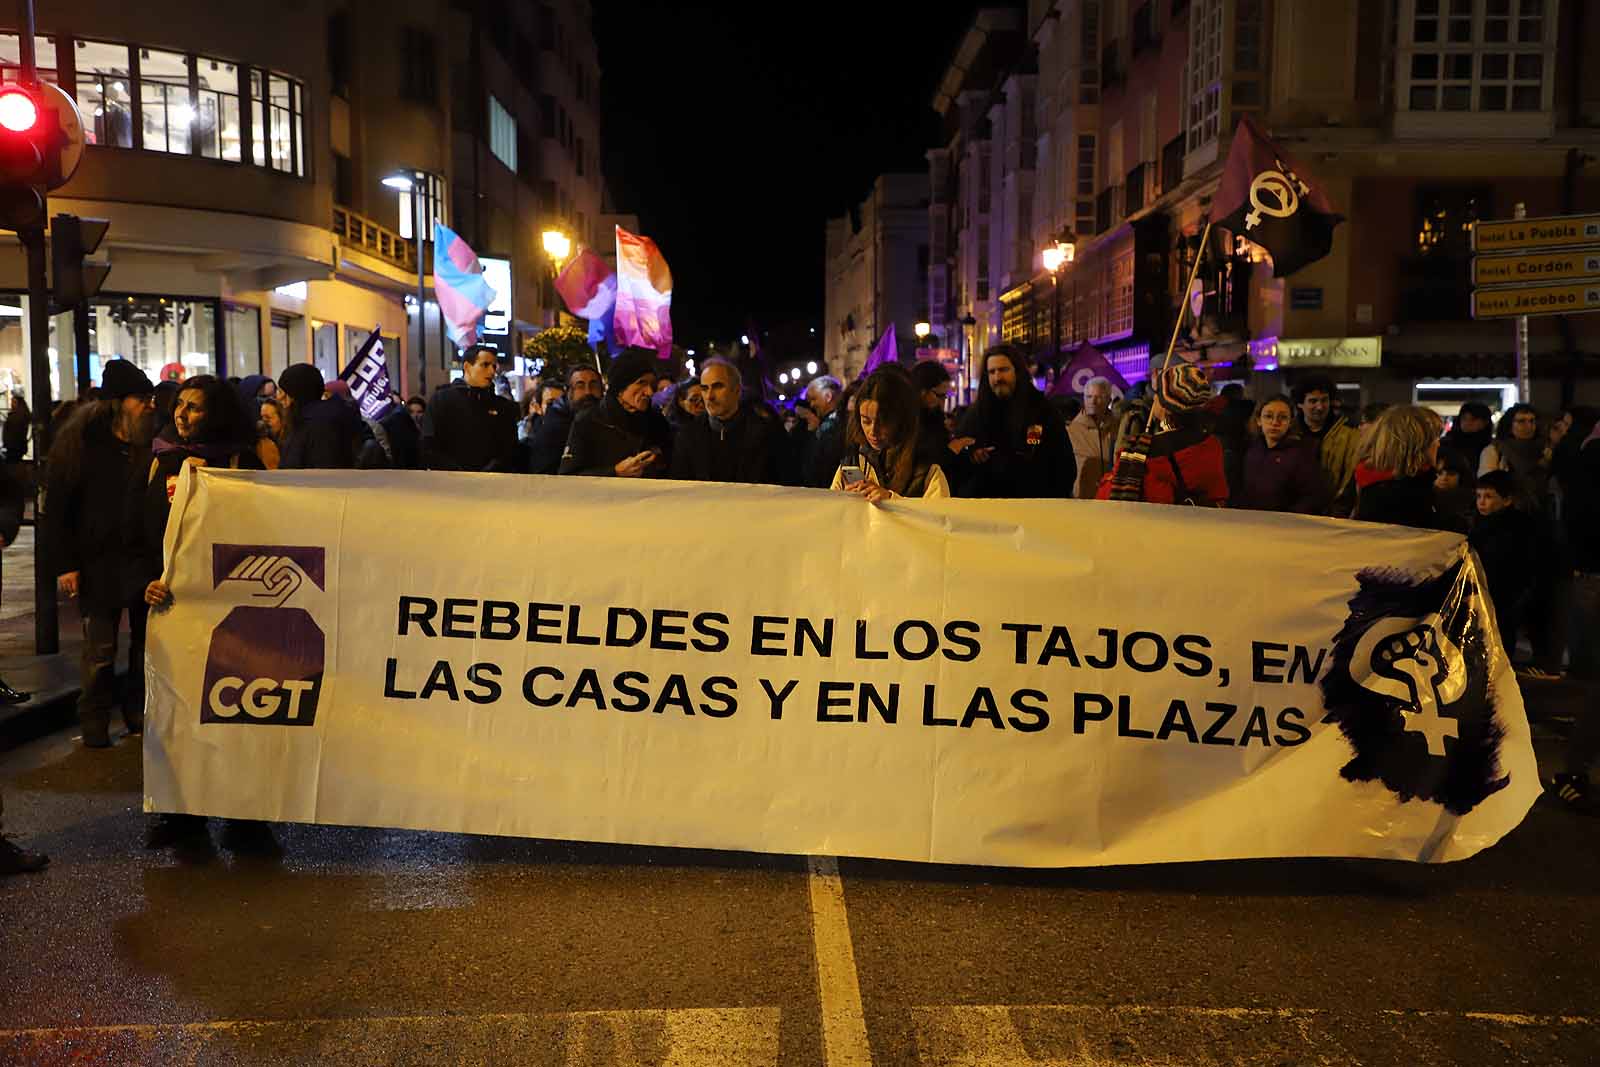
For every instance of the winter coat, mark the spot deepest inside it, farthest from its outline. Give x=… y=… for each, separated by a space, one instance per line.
x=824 y=449
x=396 y=444
x=1381 y=497
x=470 y=429
x=323 y=437
x=11 y=502
x=1526 y=461
x=1183 y=466
x=1094 y=444
x=1336 y=453
x=14 y=437
x=548 y=441
x=1582 y=512
x=1469 y=446
x=1285 y=478
x=82 y=523
x=147 y=504
x=1032 y=456
x=606 y=434
x=751 y=448
x=1507 y=543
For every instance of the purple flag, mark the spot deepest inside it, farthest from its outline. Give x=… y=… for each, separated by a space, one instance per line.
x=1087 y=364
x=885 y=351
x=367 y=374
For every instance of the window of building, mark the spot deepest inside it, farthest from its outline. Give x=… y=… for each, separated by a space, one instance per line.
x=1205 y=73
x=165 y=104
x=102 y=92
x=419 y=79
x=1086 y=164
x=44 y=58
x=502 y=134
x=277 y=122
x=433 y=194
x=216 y=126
x=577 y=156
x=547 y=115
x=1476 y=55
x=1089 y=54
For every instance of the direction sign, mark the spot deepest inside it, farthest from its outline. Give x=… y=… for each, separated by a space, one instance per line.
x=1535 y=300
x=1535 y=267
x=1562 y=231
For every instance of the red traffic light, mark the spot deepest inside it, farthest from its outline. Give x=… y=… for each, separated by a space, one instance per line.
x=18 y=111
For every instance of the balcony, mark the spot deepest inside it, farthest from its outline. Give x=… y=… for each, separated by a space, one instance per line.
x=1172 y=165
x=361 y=232
x=1137 y=186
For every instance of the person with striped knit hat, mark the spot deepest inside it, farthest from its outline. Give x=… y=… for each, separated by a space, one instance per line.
x=1181 y=462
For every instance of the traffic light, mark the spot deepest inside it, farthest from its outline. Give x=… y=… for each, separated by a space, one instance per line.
x=21 y=158
x=71 y=240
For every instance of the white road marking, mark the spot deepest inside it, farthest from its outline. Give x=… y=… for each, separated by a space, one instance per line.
x=1141 y=1035
x=680 y=1037
x=844 y=1027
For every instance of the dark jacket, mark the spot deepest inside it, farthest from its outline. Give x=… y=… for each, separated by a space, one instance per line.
x=14 y=437
x=396 y=444
x=148 y=502
x=548 y=440
x=823 y=449
x=82 y=524
x=11 y=500
x=1469 y=446
x=1286 y=478
x=1032 y=456
x=470 y=429
x=751 y=448
x=1507 y=543
x=323 y=438
x=1399 y=501
x=605 y=435
x=1583 y=507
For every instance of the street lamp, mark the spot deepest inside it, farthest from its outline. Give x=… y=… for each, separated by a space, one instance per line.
x=557 y=245
x=415 y=182
x=811 y=367
x=1055 y=256
x=922 y=330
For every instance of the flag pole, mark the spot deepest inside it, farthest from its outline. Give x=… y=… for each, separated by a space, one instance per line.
x=1183 y=308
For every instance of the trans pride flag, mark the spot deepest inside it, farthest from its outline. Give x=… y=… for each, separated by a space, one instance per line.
x=458 y=285
x=644 y=293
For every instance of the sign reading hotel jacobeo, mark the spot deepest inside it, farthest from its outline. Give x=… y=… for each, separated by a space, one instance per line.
x=958 y=681
x=1551 y=251
x=1536 y=300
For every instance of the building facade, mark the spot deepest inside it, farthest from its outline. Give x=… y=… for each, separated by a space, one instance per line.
x=239 y=154
x=876 y=266
x=1419 y=118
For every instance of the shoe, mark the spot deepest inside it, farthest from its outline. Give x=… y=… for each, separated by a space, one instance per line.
x=97 y=738
x=169 y=829
x=1574 y=792
x=249 y=837
x=135 y=725
x=10 y=696
x=14 y=860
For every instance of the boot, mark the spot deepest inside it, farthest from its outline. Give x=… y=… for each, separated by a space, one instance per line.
x=134 y=721
x=14 y=860
x=249 y=837
x=10 y=696
x=168 y=829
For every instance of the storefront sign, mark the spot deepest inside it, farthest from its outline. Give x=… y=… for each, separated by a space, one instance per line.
x=923 y=680
x=1565 y=231
x=1535 y=300
x=1321 y=351
x=496 y=328
x=1535 y=267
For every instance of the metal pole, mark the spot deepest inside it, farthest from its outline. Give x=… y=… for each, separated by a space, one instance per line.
x=1183 y=307
x=46 y=628
x=417 y=181
x=29 y=64
x=1524 y=386
x=1055 y=318
x=80 y=342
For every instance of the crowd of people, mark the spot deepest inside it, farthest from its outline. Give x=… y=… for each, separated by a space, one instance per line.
x=1526 y=490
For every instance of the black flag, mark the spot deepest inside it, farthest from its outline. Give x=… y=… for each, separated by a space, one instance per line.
x=1270 y=199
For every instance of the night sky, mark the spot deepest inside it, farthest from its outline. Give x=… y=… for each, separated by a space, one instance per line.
x=734 y=131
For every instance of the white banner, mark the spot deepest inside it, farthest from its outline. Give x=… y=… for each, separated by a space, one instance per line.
x=1025 y=683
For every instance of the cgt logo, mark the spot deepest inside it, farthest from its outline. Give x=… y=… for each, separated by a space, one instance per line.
x=265 y=663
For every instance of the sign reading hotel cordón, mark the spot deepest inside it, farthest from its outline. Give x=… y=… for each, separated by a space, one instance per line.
x=1554 y=268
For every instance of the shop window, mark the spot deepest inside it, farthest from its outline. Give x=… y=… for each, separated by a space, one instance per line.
x=102 y=93
x=242 y=334
x=165 y=337
x=164 y=101
x=44 y=58
x=217 y=122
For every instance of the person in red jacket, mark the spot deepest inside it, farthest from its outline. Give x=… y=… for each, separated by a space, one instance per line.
x=1182 y=462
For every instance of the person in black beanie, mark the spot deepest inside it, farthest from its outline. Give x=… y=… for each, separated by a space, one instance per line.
x=468 y=426
x=624 y=435
x=322 y=433
x=99 y=452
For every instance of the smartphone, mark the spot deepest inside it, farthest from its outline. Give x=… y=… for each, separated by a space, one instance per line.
x=852 y=474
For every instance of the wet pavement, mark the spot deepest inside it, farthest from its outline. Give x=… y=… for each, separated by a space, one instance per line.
x=363 y=946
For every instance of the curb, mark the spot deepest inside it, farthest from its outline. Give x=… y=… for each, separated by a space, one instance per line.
x=44 y=715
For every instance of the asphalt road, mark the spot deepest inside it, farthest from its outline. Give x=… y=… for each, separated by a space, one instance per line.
x=383 y=947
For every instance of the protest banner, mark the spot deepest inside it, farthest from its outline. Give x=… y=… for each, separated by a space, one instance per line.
x=1012 y=682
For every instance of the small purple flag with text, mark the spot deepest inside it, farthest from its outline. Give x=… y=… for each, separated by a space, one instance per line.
x=367 y=375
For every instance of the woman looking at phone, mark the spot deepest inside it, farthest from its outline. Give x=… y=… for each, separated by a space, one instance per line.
x=881 y=455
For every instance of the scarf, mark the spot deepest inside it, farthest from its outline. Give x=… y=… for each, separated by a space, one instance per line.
x=210 y=451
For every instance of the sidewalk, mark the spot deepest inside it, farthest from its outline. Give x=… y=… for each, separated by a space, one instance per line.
x=53 y=680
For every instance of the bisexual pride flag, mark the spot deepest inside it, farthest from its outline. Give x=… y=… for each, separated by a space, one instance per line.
x=644 y=293
x=458 y=285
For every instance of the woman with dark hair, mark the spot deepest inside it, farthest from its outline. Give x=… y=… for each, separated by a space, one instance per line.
x=1182 y=462
x=1455 y=489
x=211 y=430
x=1523 y=447
x=882 y=459
x=686 y=402
x=1280 y=472
x=19 y=421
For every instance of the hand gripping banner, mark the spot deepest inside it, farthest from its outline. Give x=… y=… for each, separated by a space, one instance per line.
x=1023 y=683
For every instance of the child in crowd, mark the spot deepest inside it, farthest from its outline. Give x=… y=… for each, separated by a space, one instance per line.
x=1506 y=539
x=1454 y=491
